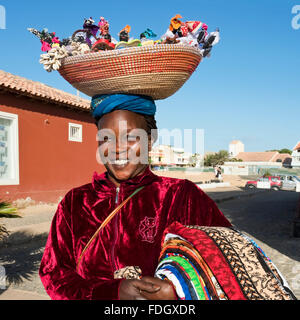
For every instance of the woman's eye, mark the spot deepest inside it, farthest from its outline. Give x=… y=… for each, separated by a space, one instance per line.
x=107 y=139
x=133 y=138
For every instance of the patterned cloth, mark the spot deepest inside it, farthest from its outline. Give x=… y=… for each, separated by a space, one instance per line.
x=218 y=263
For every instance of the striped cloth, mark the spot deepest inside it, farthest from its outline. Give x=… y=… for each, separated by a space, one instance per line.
x=218 y=263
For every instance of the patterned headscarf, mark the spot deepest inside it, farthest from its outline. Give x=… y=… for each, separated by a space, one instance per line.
x=105 y=103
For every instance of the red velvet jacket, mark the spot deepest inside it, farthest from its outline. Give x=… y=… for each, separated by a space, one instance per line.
x=132 y=237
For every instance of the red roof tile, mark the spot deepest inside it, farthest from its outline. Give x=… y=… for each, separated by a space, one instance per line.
x=297 y=146
x=257 y=156
x=38 y=90
x=236 y=142
x=283 y=157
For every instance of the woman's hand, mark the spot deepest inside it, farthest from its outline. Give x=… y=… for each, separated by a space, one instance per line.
x=166 y=292
x=148 y=288
x=134 y=289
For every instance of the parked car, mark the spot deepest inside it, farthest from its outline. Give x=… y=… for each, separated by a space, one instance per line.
x=289 y=182
x=272 y=182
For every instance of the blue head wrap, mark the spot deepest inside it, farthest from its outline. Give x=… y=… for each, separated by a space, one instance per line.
x=105 y=103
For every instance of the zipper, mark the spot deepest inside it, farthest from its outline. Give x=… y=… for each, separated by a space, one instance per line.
x=115 y=232
x=117 y=195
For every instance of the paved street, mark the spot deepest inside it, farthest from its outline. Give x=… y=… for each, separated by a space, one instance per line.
x=265 y=216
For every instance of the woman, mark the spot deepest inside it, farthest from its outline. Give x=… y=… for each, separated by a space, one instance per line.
x=71 y=269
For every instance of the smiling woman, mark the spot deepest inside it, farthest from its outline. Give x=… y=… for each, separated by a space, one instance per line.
x=106 y=236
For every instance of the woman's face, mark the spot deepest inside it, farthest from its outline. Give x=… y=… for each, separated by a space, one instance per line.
x=123 y=144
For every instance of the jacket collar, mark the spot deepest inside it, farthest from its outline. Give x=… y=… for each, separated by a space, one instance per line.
x=101 y=182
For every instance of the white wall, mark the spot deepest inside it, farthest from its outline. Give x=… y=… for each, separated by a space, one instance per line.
x=295 y=158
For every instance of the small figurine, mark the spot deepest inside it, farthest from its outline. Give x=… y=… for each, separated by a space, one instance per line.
x=104 y=29
x=124 y=34
x=91 y=30
x=174 y=31
x=211 y=40
x=147 y=34
x=194 y=33
x=175 y=25
x=202 y=34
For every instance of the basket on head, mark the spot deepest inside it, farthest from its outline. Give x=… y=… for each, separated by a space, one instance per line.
x=157 y=71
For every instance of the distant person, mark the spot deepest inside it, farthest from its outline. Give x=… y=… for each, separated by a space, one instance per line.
x=219 y=174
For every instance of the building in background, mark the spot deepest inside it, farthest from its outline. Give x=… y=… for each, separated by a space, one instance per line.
x=47 y=140
x=235 y=147
x=253 y=162
x=296 y=156
x=166 y=155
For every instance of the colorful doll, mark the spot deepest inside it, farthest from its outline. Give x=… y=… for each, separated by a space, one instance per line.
x=174 y=31
x=104 y=29
x=175 y=25
x=210 y=40
x=91 y=30
x=146 y=37
x=124 y=34
x=147 y=34
x=193 y=33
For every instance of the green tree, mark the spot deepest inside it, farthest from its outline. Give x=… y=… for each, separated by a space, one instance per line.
x=217 y=158
x=284 y=150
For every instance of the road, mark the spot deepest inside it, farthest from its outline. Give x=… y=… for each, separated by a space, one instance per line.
x=265 y=217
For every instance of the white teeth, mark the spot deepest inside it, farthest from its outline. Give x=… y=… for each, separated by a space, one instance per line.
x=120 y=162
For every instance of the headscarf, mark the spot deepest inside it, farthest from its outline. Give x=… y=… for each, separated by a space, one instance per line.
x=105 y=103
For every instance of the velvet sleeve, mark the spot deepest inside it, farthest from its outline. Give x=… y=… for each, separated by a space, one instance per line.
x=58 y=267
x=199 y=208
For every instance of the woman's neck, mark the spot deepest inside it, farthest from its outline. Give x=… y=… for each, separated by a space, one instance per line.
x=117 y=182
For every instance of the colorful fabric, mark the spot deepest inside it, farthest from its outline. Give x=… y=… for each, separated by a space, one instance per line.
x=105 y=103
x=220 y=263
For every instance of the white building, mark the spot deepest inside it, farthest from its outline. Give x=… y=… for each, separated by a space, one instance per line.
x=164 y=155
x=181 y=158
x=235 y=147
x=296 y=156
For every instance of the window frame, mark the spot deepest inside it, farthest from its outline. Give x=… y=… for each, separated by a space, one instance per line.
x=74 y=125
x=15 y=152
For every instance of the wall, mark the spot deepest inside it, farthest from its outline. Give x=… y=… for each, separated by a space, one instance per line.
x=295 y=158
x=49 y=164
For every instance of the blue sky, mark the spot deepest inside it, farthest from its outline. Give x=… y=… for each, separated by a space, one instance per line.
x=248 y=90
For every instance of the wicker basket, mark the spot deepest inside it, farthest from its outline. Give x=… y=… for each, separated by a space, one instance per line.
x=157 y=71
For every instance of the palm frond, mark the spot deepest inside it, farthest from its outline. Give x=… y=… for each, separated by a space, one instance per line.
x=7 y=210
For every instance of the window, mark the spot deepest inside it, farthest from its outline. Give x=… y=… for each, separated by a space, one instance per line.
x=75 y=132
x=9 y=149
